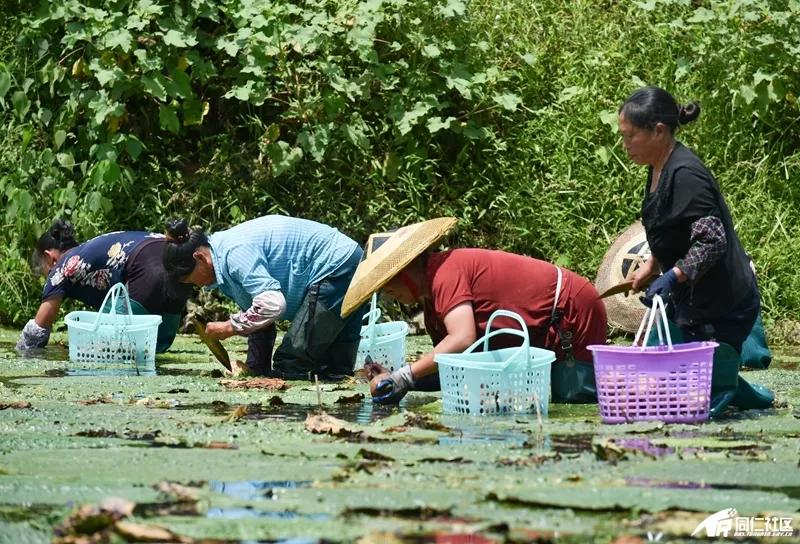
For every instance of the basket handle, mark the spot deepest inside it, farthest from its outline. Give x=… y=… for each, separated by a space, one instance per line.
x=372 y=317
x=117 y=290
x=523 y=333
x=524 y=349
x=657 y=308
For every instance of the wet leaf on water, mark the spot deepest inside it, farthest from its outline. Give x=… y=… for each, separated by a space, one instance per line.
x=329 y=387
x=531 y=460
x=101 y=399
x=137 y=532
x=373 y=455
x=98 y=433
x=350 y=399
x=17 y=405
x=617 y=449
x=216 y=445
x=381 y=538
x=327 y=424
x=92 y=518
x=420 y=421
x=272 y=384
x=444 y=460
x=415 y=513
x=178 y=491
x=238 y=413
x=643 y=427
x=157 y=403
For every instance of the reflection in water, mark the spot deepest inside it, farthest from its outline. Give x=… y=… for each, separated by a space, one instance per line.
x=53 y=352
x=257 y=490
x=240 y=512
x=103 y=370
x=362 y=413
x=249 y=490
x=58 y=353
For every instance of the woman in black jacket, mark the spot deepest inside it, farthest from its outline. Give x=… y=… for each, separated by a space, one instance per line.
x=703 y=270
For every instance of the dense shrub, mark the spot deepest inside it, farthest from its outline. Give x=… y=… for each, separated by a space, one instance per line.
x=369 y=114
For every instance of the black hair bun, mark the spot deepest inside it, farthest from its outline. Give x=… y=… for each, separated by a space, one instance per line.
x=62 y=231
x=178 y=230
x=688 y=113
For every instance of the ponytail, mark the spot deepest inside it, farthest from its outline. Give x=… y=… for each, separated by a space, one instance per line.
x=179 y=250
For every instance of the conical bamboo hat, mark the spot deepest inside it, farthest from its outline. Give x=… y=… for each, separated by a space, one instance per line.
x=619 y=264
x=395 y=253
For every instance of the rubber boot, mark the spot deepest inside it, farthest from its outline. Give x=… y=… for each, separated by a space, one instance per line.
x=753 y=396
x=724 y=379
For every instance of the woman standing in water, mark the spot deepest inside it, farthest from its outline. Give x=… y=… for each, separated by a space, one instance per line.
x=702 y=268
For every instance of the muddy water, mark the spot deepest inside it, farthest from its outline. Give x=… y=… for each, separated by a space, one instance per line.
x=261 y=475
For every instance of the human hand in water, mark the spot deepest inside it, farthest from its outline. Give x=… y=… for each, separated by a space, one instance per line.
x=389 y=388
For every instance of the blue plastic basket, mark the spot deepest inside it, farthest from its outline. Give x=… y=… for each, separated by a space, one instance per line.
x=383 y=343
x=503 y=381
x=114 y=339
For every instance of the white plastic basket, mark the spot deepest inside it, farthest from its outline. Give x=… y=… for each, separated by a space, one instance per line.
x=383 y=343
x=503 y=381
x=112 y=342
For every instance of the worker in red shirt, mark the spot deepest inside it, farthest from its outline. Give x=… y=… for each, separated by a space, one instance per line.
x=459 y=289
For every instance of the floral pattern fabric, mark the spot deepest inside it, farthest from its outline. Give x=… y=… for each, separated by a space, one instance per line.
x=87 y=272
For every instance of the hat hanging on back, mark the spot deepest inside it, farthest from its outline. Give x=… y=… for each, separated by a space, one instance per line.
x=387 y=256
x=620 y=262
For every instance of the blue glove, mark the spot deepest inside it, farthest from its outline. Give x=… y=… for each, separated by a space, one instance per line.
x=391 y=390
x=662 y=286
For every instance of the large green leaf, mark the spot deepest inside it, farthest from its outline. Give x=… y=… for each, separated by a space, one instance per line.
x=177 y=38
x=121 y=38
x=21 y=103
x=5 y=83
x=168 y=119
x=155 y=86
x=283 y=157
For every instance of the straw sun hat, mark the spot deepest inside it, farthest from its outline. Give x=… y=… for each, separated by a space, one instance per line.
x=619 y=264
x=388 y=254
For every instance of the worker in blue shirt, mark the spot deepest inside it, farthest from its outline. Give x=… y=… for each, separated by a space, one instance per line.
x=275 y=268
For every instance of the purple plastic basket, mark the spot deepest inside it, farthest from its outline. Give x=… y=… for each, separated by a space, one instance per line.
x=657 y=383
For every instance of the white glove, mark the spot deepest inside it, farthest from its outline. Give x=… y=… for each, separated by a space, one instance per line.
x=33 y=336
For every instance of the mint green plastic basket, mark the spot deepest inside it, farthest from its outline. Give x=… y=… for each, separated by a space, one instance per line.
x=383 y=343
x=503 y=381
x=113 y=340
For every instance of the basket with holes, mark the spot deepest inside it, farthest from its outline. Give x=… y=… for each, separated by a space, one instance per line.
x=670 y=383
x=502 y=381
x=382 y=343
x=114 y=339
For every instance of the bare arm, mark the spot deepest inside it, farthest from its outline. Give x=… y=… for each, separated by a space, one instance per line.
x=48 y=312
x=460 y=325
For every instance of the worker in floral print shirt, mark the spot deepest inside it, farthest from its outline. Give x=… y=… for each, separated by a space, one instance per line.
x=86 y=272
x=702 y=270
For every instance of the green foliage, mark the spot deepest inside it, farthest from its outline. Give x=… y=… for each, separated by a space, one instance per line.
x=367 y=114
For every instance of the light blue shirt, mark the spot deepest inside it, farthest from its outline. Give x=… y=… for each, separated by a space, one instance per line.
x=275 y=252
